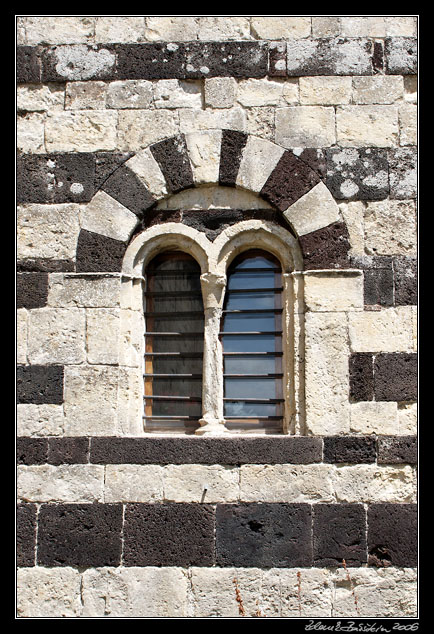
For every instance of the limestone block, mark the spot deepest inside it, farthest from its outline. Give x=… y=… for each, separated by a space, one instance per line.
x=220 y=92
x=135 y=592
x=139 y=128
x=40 y=97
x=373 y=483
x=131 y=343
x=259 y=159
x=119 y=28
x=144 y=165
x=307 y=592
x=85 y=95
x=353 y=215
x=66 y=290
x=175 y=93
x=58 y=29
x=39 y=420
x=363 y=26
x=204 y=153
x=402 y=25
x=102 y=335
x=108 y=217
x=379 y=89
x=367 y=126
x=90 y=400
x=388 y=330
x=21 y=334
x=215 y=593
x=130 y=402
x=201 y=483
x=381 y=593
x=81 y=131
x=329 y=292
x=325 y=26
x=260 y=92
x=305 y=126
x=280 y=27
x=222 y=28
x=390 y=227
x=408 y=124
x=48 y=592
x=223 y=118
x=375 y=417
x=30 y=133
x=260 y=122
x=325 y=90
x=313 y=211
x=171 y=28
x=47 y=231
x=326 y=368
x=407 y=419
x=56 y=335
x=213 y=197
x=64 y=483
x=286 y=483
x=129 y=94
x=133 y=483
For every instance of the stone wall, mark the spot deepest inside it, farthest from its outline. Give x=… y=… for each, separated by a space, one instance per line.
x=210 y=132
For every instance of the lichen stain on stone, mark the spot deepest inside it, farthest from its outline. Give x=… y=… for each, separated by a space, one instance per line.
x=80 y=62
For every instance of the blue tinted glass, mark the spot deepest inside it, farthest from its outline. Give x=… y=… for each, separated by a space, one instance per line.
x=249 y=322
x=241 y=408
x=249 y=365
x=254 y=262
x=248 y=343
x=243 y=301
x=251 y=279
x=250 y=388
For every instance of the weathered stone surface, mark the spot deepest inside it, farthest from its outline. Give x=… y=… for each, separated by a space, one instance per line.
x=56 y=335
x=28 y=65
x=220 y=92
x=374 y=483
x=102 y=335
x=106 y=163
x=407 y=418
x=21 y=335
x=30 y=130
x=363 y=26
x=31 y=450
x=329 y=56
x=201 y=483
x=373 y=417
x=204 y=153
x=401 y=55
x=68 y=29
x=349 y=449
x=367 y=126
x=134 y=483
x=392 y=535
x=86 y=95
x=223 y=28
x=326 y=248
x=325 y=91
x=388 y=330
x=32 y=290
x=26 y=535
x=40 y=419
x=40 y=98
x=78 y=62
x=286 y=483
x=55 y=178
x=325 y=292
x=361 y=374
x=378 y=287
x=280 y=27
x=79 y=534
x=68 y=450
x=232 y=146
x=315 y=158
x=305 y=126
x=63 y=483
x=395 y=377
x=339 y=534
x=259 y=158
x=90 y=291
x=40 y=384
x=403 y=173
x=175 y=93
x=172 y=157
x=119 y=28
x=81 y=131
x=405 y=280
x=172 y=28
x=390 y=228
x=192 y=120
x=126 y=188
x=325 y=26
x=98 y=253
x=46 y=592
x=380 y=89
x=137 y=129
x=354 y=173
x=397 y=449
x=277 y=59
x=408 y=120
x=144 y=165
x=168 y=535
x=263 y=535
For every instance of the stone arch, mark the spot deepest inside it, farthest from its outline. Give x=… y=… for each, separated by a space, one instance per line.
x=213 y=157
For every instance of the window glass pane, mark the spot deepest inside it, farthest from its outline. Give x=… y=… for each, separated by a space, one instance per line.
x=250 y=365
x=251 y=279
x=243 y=301
x=243 y=408
x=249 y=343
x=252 y=322
x=250 y=388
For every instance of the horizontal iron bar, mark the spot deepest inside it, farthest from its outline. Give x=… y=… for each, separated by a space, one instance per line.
x=163 y=418
x=174 y=354
x=252 y=376
x=254 y=354
x=253 y=418
x=154 y=273
x=172 y=398
x=171 y=293
x=175 y=314
x=253 y=332
x=174 y=375
x=174 y=334
x=254 y=310
x=255 y=400
x=276 y=289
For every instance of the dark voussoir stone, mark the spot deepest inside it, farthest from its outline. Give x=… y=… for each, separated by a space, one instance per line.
x=32 y=290
x=168 y=535
x=32 y=450
x=263 y=535
x=232 y=145
x=378 y=287
x=395 y=377
x=397 y=450
x=353 y=449
x=97 y=253
x=40 y=384
x=106 y=163
x=361 y=372
x=326 y=248
x=127 y=189
x=79 y=534
x=172 y=157
x=339 y=534
x=74 y=450
x=392 y=535
x=26 y=534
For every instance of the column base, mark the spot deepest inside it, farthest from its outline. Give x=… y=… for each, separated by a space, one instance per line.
x=212 y=427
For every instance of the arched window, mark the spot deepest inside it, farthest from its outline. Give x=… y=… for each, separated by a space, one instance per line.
x=251 y=336
x=174 y=321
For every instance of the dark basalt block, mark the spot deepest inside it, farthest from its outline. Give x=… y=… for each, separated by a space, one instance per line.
x=357 y=173
x=106 y=163
x=172 y=157
x=28 y=65
x=378 y=287
x=339 y=534
x=395 y=377
x=31 y=450
x=32 y=290
x=405 y=278
x=401 y=55
x=329 y=56
x=79 y=534
x=397 y=450
x=392 y=535
x=168 y=535
x=40 y=384
x=277 y=59
x=361 y=373
x=26 y=534
x=125 y=187
x=403 y=172
x=45 y=265
x=74 y=450
x=352 y=449
x=97 y=253
x=264 y=535
x=326 y=248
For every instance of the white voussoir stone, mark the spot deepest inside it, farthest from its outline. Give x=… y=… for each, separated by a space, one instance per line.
x=30 y=133
x=81 y=131
x=204 y=154
x=201 y=483
x=286 y=483
x=408 y=124
x=407 y=419
x=48 y=231
x=129 y=94
x=331 y=291
x=21 y=334
x=379 y=89
x=133 y=483
x=119 y=29
x=106 y=216
x=315 y=210
x=139 y=128
x=367 y=126
x=326 y=372
x=325 y=90
x=144 y=165
x=390 y=227
x=374 y=483
x=56 y=335
x=40 y=97
x=305 y=126
x=85 y=95
x=259 y=159
x=191 y=120
x=353 y=215
x=64 y=483
x=387 y=330
x=213 y=197
x=135 y=592
x=220 y=92
x=380 y=592
x=374 y=417
x=102 y=335
x=48 y=592
x=175 y=93
x=90 y=400
x=70 y=290
x=39 y=420
x=280 y=27
x=59 y=29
